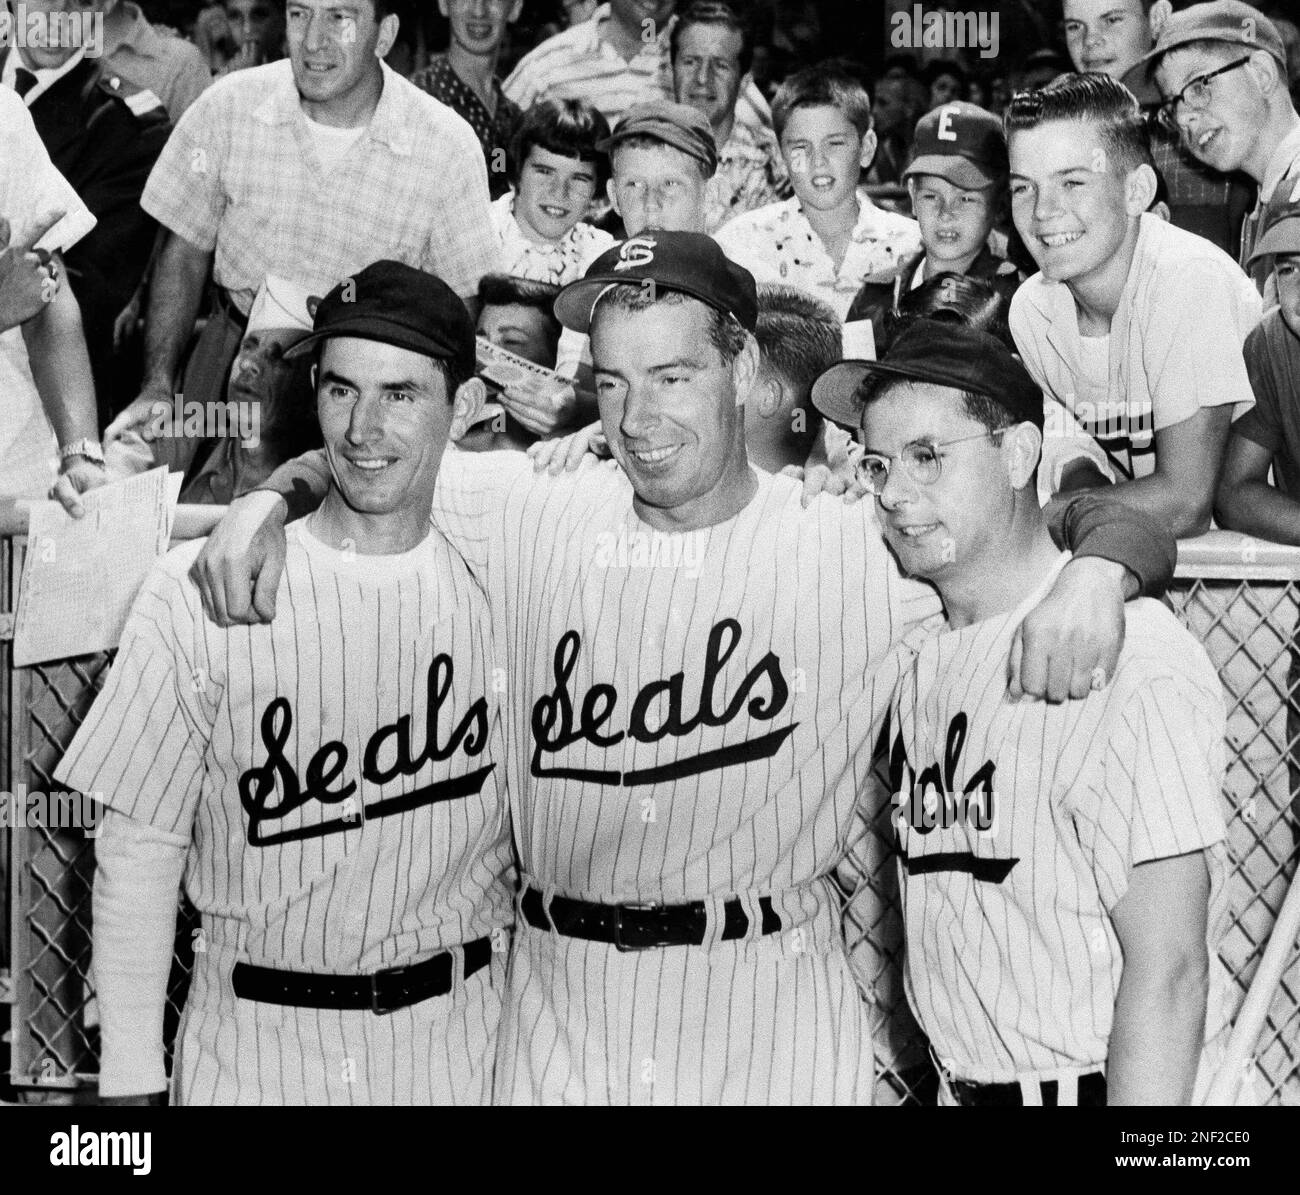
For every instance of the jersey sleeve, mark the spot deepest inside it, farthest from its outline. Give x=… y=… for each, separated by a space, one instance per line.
x=140 y=750
x=1162 y=781
x=302 y=482
x=470 y=498
x=185 y=192
x=1093 y=525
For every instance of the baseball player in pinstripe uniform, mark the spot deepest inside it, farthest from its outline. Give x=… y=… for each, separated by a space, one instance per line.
x=693 y=707
x=1058 y=863
x=328 y=784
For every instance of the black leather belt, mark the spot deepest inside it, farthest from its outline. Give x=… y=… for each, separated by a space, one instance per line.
x=1092 y=1093
x=641 y=927
x=380 y=992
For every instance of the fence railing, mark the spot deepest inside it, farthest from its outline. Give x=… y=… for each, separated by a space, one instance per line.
x=1238 y=596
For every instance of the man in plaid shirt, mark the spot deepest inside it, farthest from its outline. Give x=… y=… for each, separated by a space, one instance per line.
x=308 y=169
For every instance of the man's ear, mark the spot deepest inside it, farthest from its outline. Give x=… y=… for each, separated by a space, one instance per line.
x=444 y=7
x=612 y=195
x=1160 y=12
x=388 y=28
x=1139 y=189
x=1022 y=446
x=770 y=392
x=868 y=148
x=744 y=370
x=468 y=404
x=515 y=12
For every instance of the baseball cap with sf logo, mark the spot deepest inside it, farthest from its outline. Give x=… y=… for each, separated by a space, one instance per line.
x=687 y=262
x=961 y=143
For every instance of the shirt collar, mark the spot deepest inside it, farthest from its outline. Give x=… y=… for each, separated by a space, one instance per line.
x=388 y=124
x=45 y=79
x=1284 y=157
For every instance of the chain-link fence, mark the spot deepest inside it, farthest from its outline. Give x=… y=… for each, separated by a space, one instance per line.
x=1240 y=602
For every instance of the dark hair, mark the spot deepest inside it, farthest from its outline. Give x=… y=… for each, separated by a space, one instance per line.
x=504 y=290
x=715 y=12
x=798 y=335
x=1095 y=98
x=993 y=415
x=823 y=86
x=569 y=128
x=725 y=332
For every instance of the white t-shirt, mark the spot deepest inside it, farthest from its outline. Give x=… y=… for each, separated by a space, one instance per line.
x=30 y=187
x=332 y=144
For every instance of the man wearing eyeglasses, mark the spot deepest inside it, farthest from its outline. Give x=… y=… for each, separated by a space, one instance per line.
x=1056 y=862
x=1222 y=70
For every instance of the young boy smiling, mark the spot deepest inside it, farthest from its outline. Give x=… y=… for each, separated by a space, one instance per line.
x=1132 y=324
x=830 y=237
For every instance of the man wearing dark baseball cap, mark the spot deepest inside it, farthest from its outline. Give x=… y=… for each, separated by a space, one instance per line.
x=1221 y=68
x=1110 y=837
x=374 y=873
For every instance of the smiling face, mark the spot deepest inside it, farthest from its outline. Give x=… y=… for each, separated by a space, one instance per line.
x=706 y=71
x=1286 y=270
x=52 y=49
x=825 y=156
x=479 y=26
x=668 y=405
x=553 y=193
x=957 y=521
x=954 y=222
x=1106 y=36
x=1072 y=206
x=657 y=186
x=335 y=45
x=385 y=417
x=1225 y=133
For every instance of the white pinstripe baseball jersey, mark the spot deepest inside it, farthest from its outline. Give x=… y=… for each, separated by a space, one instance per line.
x=1019 y=825
x=338 y=771
x=691 y=717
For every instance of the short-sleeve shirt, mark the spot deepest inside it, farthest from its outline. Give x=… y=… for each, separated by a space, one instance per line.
x=241 y=175
x=146 y=60
x=557 y=262
x=577 y=64
x=751 y=174
x=722 y=680
x=1175 y=344
x=1273 y=362
x=778 y=239
x=1019 y=825
x=339 y=772
x=30 y=187
x=493 y=129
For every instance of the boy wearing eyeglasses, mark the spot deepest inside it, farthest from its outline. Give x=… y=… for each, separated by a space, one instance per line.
x=1133 y=325
x=1222 y=70
x=1058 y=864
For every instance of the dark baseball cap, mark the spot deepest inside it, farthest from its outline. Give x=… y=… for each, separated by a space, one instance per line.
x=962 y=143
x=689 y=262
x=1228 y=21
x=396 y=304
x=1281 y=236
x=942 y=353
x=678 y=125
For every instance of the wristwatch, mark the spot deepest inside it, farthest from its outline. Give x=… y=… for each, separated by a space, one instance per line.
x=90 y=449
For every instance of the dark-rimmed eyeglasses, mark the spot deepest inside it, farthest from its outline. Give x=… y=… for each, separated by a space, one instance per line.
x=1196 y=95
x=922 y=461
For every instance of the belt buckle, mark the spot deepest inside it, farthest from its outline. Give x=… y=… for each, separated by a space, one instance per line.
x=377 y=1005
x=642 y=906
